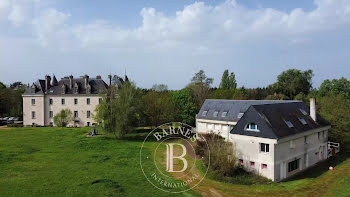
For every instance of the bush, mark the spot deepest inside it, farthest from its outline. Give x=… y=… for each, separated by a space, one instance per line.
x=222 y=156
x=63 y=118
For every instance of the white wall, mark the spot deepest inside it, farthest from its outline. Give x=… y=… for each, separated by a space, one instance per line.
x=82 y=107
x=221 y=128
x=38 y=108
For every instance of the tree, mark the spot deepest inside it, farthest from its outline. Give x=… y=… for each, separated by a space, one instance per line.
x=292 y=82
x=17 y=85
x=224 y=81
x=158 y=107
x=63 y=118
x=118 y=111
x=232 y=85
x=335 y=87
x=200 y=87
x=159 y=87
x=228 y=82
x=185 y=107
x=335 y=109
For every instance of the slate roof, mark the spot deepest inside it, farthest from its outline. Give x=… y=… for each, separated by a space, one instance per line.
x=232 y=107
x=97 y=86
x=271 y=120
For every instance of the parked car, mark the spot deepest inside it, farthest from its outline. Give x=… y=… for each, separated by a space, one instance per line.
x=11 y=120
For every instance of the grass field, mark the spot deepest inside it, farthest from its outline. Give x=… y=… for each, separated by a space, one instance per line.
x=64 y=162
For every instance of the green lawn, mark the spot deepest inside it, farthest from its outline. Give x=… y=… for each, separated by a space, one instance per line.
x=64 y=162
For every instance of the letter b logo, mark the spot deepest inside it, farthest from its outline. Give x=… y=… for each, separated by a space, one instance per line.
x=170 y=157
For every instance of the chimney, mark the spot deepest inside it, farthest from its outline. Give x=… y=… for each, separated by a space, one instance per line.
x=313 y=109
x=110 y=80
x=71 y=81
x=47 y=82
x=86 y=79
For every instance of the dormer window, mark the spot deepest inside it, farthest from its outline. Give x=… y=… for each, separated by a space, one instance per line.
x=224 y=114
x=204 y=113
x=88 y=89
x=252 y=127
x=215 y=114
x=240 y=115
x=302 y=120
x=289 y=123
x=76 y=88
x=64 y=89
x=303 y=112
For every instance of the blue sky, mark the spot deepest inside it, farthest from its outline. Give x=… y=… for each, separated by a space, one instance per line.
x=166 y=42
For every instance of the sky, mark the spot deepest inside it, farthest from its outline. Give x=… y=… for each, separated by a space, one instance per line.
x=168 y=41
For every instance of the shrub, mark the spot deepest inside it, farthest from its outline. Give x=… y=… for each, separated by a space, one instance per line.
x=63 y=118
x=221 y=158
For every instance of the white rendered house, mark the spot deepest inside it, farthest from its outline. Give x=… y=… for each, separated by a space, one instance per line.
x=275 y=139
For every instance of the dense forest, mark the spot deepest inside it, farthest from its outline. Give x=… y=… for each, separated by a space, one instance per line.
x=158 y=105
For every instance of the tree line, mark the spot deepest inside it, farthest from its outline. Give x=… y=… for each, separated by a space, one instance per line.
x=123 y=109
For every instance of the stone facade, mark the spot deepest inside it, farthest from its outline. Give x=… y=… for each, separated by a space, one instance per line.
x=45 y=98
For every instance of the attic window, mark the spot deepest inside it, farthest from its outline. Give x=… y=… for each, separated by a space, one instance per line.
x=204 y=113
x=289 y=123
x=240 y=115
x=224 y=114
x=252 y=127
x=215 y=114
x=302 y=120
x=303 y=112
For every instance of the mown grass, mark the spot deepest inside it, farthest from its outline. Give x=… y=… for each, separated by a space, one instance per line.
x=64 y=162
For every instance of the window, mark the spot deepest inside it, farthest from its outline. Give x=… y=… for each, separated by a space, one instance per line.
x=88 y=114
x=215 y=114
x=264 y=166
x=305 y=139
x=252 y=163
x=88 y=101
x=224 y=114
x=241 y=161
x=293 y=165
x=33 y=114
x=33 y=101
x=50 y=101
x=88 y=124
x=289 y=123
x=291 y=144
x=319 y=135
x=51 y=114
x=252 y=127
x=303 y=112
x=75 y=114
x=63 y=101
x=302 y=120
x=99 y=100
x=225 y=128
x=264 y=147
x=210 y=126
x=204 y=113
x=217 y=127
x=324 y=134
x=240 y=115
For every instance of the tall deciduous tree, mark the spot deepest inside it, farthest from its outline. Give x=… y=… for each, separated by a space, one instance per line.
x=200 y=87
x=228 y=82
x=335 y=87
x=118 y=110
x=185 y=107
x=224 y=80
x=293 y=81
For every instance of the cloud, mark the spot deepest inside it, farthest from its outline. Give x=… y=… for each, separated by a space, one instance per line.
x=196 y=24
